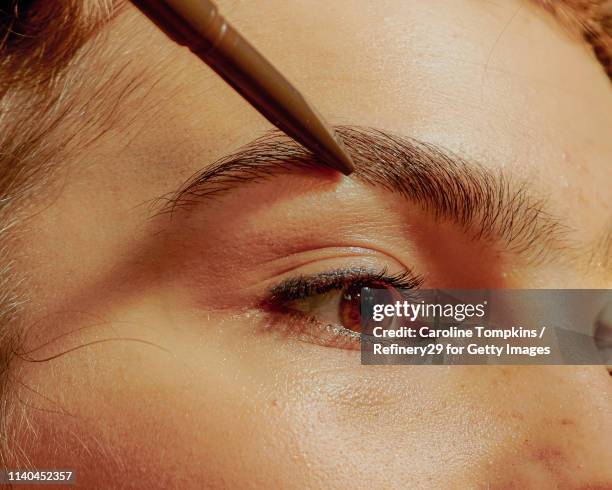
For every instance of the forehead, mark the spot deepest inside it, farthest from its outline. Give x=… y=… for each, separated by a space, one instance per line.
x=497 y=81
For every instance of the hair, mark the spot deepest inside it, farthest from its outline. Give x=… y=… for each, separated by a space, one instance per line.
x=40 y=40
x=589 y=19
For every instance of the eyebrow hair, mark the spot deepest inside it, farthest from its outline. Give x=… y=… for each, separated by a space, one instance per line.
x=488 y=205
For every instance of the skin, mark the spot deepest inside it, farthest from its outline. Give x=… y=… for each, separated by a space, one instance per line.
x=208 y=394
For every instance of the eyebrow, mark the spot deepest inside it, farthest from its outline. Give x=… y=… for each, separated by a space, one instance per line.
x=488 y=205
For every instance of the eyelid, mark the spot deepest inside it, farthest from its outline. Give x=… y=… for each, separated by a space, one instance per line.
x=306 y=328
x=304 y=286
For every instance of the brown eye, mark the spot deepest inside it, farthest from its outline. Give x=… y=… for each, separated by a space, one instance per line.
x=335 y=301
x=350 y=308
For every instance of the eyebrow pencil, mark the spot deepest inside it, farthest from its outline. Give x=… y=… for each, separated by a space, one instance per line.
x=198 y=25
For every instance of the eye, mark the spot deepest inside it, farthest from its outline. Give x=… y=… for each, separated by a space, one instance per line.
x=349 y=308
x=337 y=307
x=333 y=299
x=341 y=307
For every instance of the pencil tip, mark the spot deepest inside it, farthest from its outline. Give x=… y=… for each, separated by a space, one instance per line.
x=338 y=157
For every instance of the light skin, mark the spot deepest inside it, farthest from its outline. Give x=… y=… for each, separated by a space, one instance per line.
x=197 y=389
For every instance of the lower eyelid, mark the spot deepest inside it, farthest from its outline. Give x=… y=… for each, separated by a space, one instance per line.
x=306 y=328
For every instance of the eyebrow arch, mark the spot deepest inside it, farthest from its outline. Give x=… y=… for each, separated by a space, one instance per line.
x=486 y=204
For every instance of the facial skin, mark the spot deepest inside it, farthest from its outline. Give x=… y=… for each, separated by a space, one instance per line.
x=198 y=387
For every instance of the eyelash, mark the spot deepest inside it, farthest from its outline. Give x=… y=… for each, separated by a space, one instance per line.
x=302 y=287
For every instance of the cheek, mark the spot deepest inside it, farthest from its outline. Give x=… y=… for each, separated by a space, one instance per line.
x=560 y=427
x=176 y=405
x=209 y=401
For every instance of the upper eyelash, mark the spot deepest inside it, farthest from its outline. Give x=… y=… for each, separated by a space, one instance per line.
x=305 y=286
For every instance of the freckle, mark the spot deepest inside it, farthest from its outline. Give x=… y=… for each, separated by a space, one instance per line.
x=274 y=403
x=567 y=422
